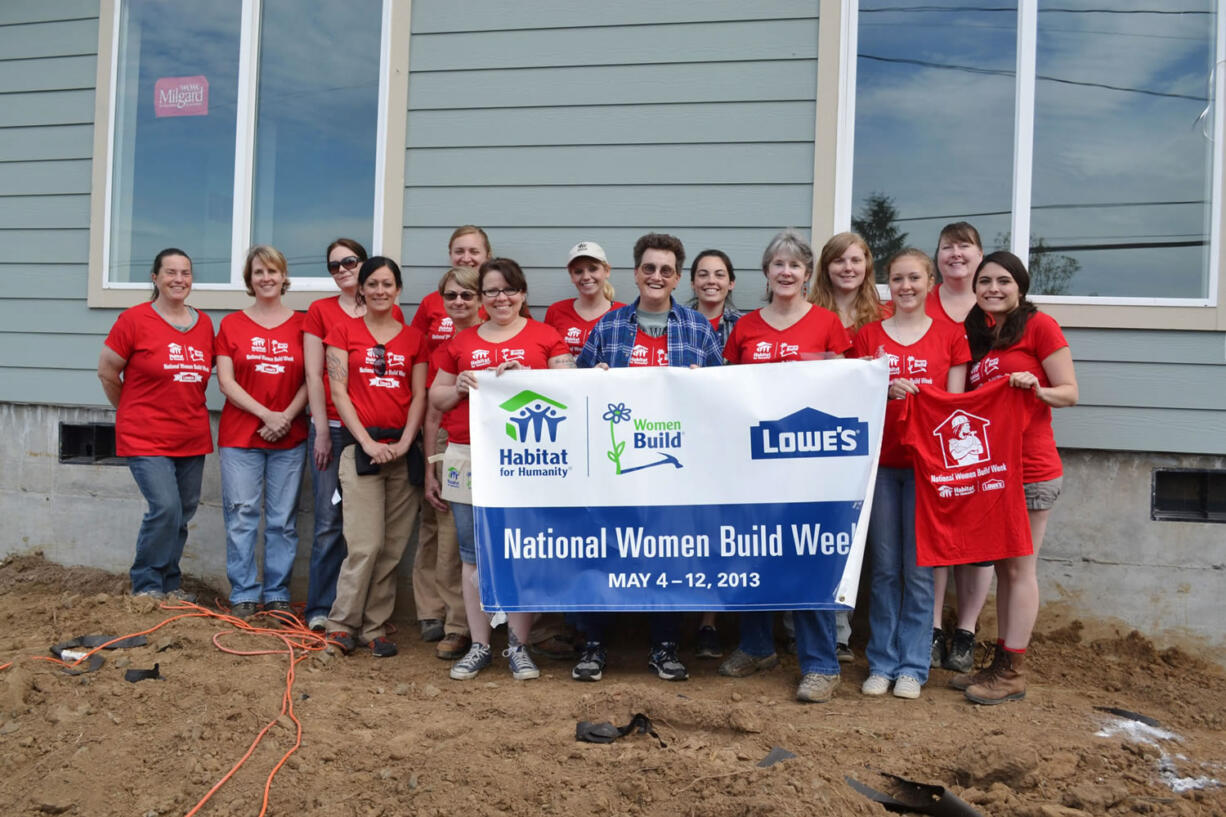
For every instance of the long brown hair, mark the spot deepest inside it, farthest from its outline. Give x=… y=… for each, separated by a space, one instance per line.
x=866 y=307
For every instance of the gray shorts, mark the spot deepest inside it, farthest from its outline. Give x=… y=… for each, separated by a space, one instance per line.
x=1041 y=496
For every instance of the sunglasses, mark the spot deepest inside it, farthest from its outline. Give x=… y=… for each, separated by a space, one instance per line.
x=465 y=295
x=348 y=263
x=379 y=353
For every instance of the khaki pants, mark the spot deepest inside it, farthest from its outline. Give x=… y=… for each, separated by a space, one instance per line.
x=379 y=511
x=436 y=567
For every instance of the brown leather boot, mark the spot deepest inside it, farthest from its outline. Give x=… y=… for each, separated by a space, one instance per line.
x=1008 y=684
x=964 y=680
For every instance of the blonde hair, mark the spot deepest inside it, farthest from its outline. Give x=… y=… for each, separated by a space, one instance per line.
x=866 y=307
x=271 y=257
x=466 y=277
x=918 y=255
x=471 y=229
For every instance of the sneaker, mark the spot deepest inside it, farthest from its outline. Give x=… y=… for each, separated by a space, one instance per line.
x=938 y=648
x=961 y=655
x=817 y=689
x=181 y=596
x=282 y=612
x=591 y=663
x=453 y=646
x=875 y=685
x=476 y=659
x=156 y=595
x=844 y=654
x=523 y=668
x=244 y=609
x=342 y=640
x=383 y=647
x=708 y=643
x=907 y=687
x=317 y=624
x=431 y=630
x=741 y=664
x=665 y=663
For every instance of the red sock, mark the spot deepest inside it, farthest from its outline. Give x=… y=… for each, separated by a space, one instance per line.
x=1014 y=650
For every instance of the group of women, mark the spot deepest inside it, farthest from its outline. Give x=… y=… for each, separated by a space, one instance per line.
x=361 y=376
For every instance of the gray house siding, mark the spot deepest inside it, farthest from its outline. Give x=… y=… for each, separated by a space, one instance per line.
x=546 y=123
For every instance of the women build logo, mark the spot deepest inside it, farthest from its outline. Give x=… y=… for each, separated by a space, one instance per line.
x=533 y=421
x=645 y=435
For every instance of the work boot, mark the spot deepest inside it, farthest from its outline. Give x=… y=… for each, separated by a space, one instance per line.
x=964 y=680
x=1008 y=684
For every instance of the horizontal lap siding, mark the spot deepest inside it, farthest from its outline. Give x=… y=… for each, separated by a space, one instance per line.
x=49 y=338
x=551 y=123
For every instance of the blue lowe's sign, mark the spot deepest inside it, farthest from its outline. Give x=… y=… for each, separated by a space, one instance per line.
x=808 y=433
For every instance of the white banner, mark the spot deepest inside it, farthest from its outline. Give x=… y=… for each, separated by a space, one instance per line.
x=723 y=488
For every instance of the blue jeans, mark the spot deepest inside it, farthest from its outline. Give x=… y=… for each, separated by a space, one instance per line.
x=171 y=487
x=328 y=548
x=255 y=480
x=465 y=531
x=664 y=626
x=901 y=595
x=816 y=640
x=758 y=633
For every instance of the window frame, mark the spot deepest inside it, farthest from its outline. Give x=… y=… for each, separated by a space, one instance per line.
x=834 y=159
x=388 y=204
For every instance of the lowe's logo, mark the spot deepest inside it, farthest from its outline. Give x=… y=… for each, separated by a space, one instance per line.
x=808 y=433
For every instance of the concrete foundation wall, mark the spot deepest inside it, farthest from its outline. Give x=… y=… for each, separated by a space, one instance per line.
x=1103 y=558
x=89 y=514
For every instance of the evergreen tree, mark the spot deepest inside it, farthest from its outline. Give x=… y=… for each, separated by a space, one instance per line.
x=876 y=225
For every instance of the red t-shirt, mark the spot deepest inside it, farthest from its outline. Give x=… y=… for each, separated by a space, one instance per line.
x=934 y=309
x=161 y=407
x=573 y=327
x=970 y=505
x=753 y=340
x=380 y=399
x=432 y=320
x=268 y=365
x=532 y=346
x=1042 y=337
x=321 y=316
x=926 y=362
x=649 y=351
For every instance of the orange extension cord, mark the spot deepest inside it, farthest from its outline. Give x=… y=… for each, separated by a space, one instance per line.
x=297 y=644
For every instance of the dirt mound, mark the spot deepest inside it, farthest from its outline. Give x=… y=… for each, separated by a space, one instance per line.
x=397 y=736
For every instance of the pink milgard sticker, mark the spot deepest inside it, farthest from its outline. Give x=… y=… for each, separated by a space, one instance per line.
x=181 y=96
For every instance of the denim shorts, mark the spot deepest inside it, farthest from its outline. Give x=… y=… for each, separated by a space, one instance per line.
x=1041 y=496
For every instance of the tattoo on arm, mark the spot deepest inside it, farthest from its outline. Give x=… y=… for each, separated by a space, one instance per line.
x=338 y=367
x=562 y=362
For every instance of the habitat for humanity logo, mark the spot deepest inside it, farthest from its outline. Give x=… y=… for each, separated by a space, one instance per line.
x=808 y=433
x=533 y=418
x=647 y=435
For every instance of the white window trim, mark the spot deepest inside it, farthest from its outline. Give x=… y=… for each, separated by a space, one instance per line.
x=834 y=155
x=389 y=160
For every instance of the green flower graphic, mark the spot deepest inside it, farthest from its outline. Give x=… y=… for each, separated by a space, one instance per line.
x=617 y=413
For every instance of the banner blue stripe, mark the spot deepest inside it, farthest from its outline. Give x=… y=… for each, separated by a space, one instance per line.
x=761 y=556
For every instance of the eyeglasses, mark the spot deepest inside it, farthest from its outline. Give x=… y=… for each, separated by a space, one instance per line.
x=379 y=353
x=465 y=295
x=651 y=269
x=349 y=263
x=494 y=293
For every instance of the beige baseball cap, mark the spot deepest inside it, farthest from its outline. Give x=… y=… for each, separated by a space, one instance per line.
x=587 y=249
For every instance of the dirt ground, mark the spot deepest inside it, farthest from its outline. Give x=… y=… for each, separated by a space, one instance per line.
x=397 y=736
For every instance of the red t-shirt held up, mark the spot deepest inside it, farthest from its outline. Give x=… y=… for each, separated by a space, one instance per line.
x=268 y=365
x=817 y=333
x=926 y=362
x=321 y=316
x=573 y=327
x=380 y=382
x=1042 y=337
x=161 y=407
x=532 y=346
x=649 y=351
x=970 y=504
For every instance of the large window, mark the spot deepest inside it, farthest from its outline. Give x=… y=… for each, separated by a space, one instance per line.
x=242 y=123
x=1097 y=162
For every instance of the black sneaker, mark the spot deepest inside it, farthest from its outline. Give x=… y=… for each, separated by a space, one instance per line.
x=244 y=610
x=383 y=647
x=938 y=648
x=431 y=630
x=665 y=663
x=342 y=640
x=591 y=663
x=708 y=643
x=961 y=656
